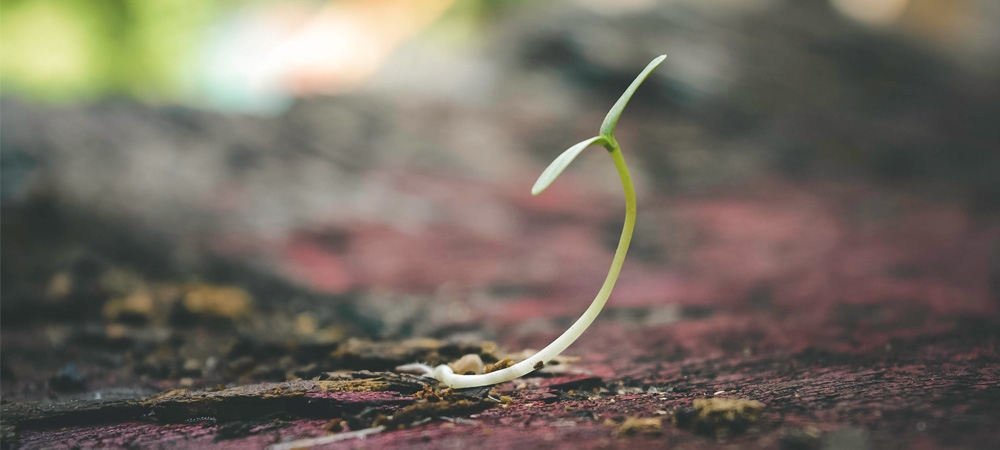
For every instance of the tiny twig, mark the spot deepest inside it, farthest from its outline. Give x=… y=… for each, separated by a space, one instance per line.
x=306 y=443
x=459 y=420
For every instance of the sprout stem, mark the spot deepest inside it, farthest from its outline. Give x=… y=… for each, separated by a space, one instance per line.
x=444 y=373
x=606 y=138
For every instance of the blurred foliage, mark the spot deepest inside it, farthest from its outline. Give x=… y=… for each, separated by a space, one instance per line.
x=465 y=21
x=73 y=49
x=151 y=49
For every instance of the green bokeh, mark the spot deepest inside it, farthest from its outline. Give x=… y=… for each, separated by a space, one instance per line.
x=78 y=49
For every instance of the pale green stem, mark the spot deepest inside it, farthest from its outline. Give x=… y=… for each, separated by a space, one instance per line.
x=606 y=138
x=448 y=377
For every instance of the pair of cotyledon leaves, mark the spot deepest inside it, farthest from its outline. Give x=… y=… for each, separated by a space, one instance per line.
x=605 y=138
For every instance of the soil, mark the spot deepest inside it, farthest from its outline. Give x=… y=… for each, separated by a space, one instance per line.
x=816 y=263
x=736 y=350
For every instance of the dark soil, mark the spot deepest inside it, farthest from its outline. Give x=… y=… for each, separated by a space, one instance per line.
x=809 y=271
x=902 y=354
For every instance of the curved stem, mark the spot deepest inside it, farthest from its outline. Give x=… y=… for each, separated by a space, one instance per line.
x=448 y=377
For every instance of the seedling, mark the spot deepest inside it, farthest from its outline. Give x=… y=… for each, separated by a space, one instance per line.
x=606 y=138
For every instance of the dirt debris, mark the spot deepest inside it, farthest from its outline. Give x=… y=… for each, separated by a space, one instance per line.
x=639 y=426
x=217 y=301
x=425 y=409
x=718 y=417
x=288 y=399
x=295 y=399
x=499 y=365
x=432 y=394
x=137 y=306
x=806 y=438
x=335 y=425
x=366 y=385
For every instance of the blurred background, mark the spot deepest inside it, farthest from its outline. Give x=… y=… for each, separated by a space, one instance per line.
x=207 y=191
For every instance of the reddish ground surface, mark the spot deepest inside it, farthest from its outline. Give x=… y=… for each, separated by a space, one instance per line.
x=856 y=318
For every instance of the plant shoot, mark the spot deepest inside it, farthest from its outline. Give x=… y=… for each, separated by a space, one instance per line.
x=606 y=139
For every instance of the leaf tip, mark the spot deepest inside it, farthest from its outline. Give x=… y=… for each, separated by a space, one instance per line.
x=559 y=164
x=611 y=120
x=543 y=182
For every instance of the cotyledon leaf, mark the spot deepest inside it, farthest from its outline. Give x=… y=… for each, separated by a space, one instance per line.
x=559 y=164
x=608 y=127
